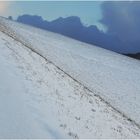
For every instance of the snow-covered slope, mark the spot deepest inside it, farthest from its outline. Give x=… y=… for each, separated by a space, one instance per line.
x=55 y=87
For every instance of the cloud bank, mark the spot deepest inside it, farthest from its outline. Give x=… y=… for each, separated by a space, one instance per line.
x=122 y=19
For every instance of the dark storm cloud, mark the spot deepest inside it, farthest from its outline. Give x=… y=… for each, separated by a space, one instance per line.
x=122 y=19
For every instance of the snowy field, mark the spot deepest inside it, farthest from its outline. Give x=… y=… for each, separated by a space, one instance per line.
x=41 y=99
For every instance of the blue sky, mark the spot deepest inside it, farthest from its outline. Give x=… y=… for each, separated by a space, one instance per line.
x=89 y=12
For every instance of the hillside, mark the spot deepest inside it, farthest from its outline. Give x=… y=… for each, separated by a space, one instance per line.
x=136 y=56
x=58 y=87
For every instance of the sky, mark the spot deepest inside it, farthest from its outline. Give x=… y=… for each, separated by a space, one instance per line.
x=89 y=12
x=118 y=19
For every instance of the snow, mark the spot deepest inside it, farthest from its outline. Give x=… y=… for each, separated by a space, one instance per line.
x=39 y=100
